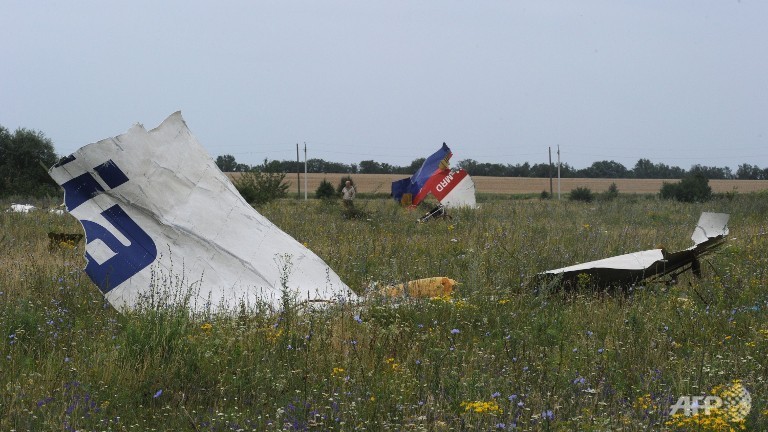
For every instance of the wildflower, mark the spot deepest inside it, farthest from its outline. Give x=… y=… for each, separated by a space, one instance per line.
x=512 y=397
x=500 y=426
x=455 y=331
x=601 y=350
x=482 y=407
x=206 y=327
x=358 y=319
x=158 y=394
x=548 y=415
x=391 y=362
x=273 y=334
x=337 y=372
x=495 y=395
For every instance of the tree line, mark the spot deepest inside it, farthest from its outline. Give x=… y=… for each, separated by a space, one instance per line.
x=26 y=155
x=643 y=169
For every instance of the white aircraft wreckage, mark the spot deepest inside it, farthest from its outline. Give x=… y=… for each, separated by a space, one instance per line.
x=164 y=225
x=633 y=268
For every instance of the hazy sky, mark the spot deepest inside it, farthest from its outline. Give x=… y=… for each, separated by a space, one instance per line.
x=679 y=82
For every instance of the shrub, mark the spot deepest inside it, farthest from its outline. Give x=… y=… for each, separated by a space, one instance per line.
x=582 y=194
x=325 y=190
x=544 y=195
x=260 y=187
x=692 y=188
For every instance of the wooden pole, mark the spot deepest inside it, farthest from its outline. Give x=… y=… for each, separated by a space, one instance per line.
x=298 y=172
x=550 y=172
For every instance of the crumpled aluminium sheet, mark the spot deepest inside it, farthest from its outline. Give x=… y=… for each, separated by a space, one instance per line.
x=164 y=225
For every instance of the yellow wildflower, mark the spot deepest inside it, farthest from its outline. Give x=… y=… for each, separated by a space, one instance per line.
x=482 y=407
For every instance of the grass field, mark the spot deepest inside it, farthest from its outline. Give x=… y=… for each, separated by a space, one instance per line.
x=494 y=356
x=381 y=183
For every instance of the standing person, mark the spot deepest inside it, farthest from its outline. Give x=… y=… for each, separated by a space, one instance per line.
x=348 y=194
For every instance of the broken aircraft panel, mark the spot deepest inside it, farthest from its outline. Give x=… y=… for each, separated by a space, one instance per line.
x=161 y=219
x=632 y=268
x=453 y=189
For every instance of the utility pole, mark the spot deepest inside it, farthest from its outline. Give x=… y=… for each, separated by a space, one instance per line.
x=550 y=171
x=298 y=171
x=305 y=170
x=558 y=171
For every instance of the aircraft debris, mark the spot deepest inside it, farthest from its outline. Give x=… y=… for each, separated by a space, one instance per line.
x=630 y=269
x=161 y=220
x=420 y=288
x=21 y=208
x=453 y=189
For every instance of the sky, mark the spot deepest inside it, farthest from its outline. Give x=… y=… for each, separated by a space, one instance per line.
x=678 y=82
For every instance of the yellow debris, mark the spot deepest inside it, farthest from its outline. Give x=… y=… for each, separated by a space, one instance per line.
x=421 y=288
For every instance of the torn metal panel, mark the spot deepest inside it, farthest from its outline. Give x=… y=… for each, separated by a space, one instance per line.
x=628 y=269
x=161 y=219
x=453 y=189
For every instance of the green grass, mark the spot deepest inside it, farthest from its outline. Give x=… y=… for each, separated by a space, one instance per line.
x=580 y=361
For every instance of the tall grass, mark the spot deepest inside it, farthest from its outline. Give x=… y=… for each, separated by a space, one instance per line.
x=493 y=356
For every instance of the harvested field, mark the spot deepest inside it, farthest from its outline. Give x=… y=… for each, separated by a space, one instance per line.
x=380 y=183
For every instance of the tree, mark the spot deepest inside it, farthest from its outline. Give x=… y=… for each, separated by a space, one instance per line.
x=370 y=167
x=226 y=163
x=470 y=165
x=415 y=165
x=749 y=172
x=711 y=172
x=24 y=158
x=605 y=169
